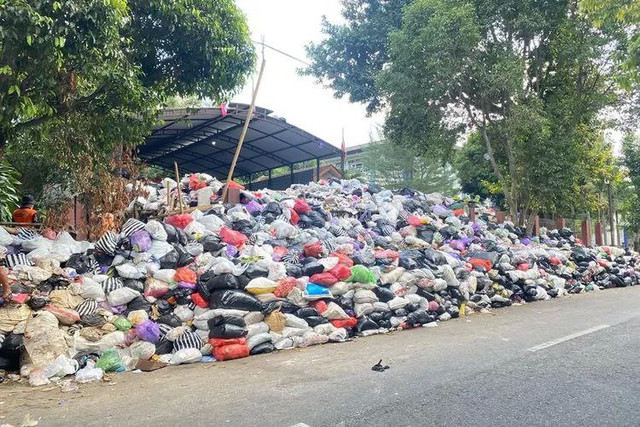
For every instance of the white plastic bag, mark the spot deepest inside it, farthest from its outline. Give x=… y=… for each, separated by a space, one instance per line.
x=258 y=339
x=89 y=373
x=122 y=296
x=295 y=321
x=187 y=355
x=5 y=238
x=165 y=275
x=156 y=230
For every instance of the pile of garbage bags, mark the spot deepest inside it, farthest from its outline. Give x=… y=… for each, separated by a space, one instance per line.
x=317 y=263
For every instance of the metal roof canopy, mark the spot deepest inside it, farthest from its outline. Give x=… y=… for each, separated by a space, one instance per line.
x=202 y=140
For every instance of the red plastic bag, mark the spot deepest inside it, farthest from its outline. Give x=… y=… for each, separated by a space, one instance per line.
x=232 y=237
x=301 y=206
x=180 y=220
x=199 y=301
x=476 y=262
x=524 y=267
x=230 y=352
x=284 y=287
x=184 y=274
x=341 y=272
x=344 y=259
x=386 y=254
x=319 y=305
x=196 y=182
x=349 y=323
x=324 y=279
x=221 y=342
x=234 y=184
x=312 y=249
x=294 y=217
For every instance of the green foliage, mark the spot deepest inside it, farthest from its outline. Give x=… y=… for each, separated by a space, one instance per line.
x=625 y=13
x=112 y=57
x=630 y=199
x=475 y=172
x=530 y=77
x=352 y=53
x=9 y=197
x=395 y=167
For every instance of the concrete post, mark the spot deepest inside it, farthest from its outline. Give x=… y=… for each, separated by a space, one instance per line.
x=586 y=233
x=598 y=233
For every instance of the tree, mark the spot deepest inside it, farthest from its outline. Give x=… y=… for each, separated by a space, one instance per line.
x=474 y=171
x=627 y=14
x=77 y=58
x=348 y=59
x=529 y=76
x=631 y=191
x=395 y=167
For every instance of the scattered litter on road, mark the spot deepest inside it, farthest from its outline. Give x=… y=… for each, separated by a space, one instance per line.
x=313 y=264
x=378 y=367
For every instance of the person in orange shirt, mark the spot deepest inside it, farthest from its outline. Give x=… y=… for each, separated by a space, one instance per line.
x=26 y=214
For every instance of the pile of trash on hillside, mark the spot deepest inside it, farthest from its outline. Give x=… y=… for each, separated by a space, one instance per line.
x=317 y=263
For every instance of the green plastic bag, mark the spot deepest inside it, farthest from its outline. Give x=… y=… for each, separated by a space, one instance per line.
x=361 y=274
x=110 y=361
x=122 y=323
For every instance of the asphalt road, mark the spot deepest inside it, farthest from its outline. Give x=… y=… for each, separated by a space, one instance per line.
x=572 y=361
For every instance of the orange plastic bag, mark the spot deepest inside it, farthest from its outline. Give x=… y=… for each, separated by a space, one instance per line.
x=230 y=352
x=232 y=237
x=184 y=274
x=221 y=342
x=477 y=262
x=319 y=305
x=196 y=182
x=199 y=301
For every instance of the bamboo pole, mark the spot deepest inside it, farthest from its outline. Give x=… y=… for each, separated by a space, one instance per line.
x=175 y=164
x=244 y=129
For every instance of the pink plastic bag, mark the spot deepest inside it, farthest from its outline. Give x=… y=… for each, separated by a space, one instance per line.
x=301 y=207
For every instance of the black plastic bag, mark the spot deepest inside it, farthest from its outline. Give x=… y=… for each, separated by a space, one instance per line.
x=164 y=346
x=383 y=294
x=254 y=271
x=377 y=316
x=227 y=331
x=314 y=321
x=272 y=208
x=80 y=263
x=170 y=260
x=170 y=320
x=282 y=305
x=226 y=320
x=265 y=347
x=365 y=324
x=13 y=342
x=136 y=285
x=222 y=281
x=234 y=299
x=172 y=235
x=10 y=360
x=139 y=303
x=184 y=257
x=401 y=312
x=313 y=268
x=37 y=302
x=211 y=243
x=294 y=270
x=307 y=312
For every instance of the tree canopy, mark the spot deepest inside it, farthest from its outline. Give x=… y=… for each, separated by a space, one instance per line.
x=115 y=57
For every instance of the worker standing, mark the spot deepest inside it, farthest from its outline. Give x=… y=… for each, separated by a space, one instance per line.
x=26 y=214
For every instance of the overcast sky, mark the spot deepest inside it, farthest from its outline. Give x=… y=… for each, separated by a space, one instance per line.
x=289 y=25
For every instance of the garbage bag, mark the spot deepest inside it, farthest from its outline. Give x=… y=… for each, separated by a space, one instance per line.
x=110 y=361
x=211 y=243
x=229 y=352
x=234 y=299
x=361 y=274
x=232 y=237
x=265 y=347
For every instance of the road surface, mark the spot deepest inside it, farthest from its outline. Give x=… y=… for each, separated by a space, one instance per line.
x=572 y=361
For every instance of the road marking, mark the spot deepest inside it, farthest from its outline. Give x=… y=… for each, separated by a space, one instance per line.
x=568 y=338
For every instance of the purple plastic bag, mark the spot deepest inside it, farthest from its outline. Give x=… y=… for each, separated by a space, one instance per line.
x=140 y=241
x=231 y=251
x=148 y=331
x=187 y=285
x=253 y=206
x=458 y=245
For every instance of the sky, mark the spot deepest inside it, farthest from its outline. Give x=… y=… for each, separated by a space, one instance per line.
x=289 y=25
